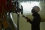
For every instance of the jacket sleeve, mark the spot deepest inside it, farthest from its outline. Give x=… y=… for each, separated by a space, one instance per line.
x=28 y=20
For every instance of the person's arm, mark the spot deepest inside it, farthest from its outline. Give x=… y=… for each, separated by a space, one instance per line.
x=28 y=20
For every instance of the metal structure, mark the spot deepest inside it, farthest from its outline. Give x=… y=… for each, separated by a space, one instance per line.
x=18 y=10
x=7 y=7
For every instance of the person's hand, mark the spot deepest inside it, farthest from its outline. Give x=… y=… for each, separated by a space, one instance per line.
x=23 y=16
x=26 y=18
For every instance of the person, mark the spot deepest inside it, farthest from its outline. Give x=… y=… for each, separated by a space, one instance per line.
x=35 y=24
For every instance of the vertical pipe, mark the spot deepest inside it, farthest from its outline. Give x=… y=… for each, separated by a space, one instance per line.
x=17 y=21
x=17 y=9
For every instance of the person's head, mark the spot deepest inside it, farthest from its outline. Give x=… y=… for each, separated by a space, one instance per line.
x=35 y=9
